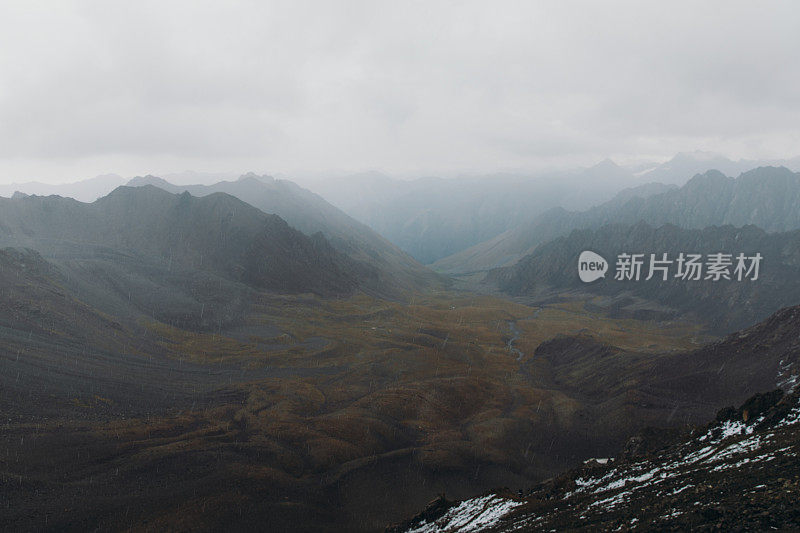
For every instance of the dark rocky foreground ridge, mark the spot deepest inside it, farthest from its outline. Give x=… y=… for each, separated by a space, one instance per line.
x=739 y=473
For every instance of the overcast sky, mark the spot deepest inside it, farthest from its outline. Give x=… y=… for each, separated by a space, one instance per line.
x=404 y=87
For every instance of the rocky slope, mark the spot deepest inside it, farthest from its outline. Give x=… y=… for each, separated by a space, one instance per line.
x=391 y=403
x=54 y=349
x=182 y=259
x=311 y=214
x=672 y=474
x=723 y=305
x=738 y=473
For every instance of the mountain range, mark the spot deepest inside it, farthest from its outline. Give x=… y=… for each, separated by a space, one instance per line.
x=722 y=304
x=144 y=251
x=310 y=214
x=431 y=218
x=244 y=355
x=91 y=189
x=766 y=197
x=687 y=164
x=87 y=190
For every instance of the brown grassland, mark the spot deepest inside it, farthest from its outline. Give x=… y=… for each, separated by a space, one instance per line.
x=350 y=412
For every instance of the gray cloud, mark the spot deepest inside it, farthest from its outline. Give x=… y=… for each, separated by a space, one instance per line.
x=407 y=87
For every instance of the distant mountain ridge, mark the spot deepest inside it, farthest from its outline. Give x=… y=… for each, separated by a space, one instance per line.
x=766 y=197
x=431 y=218
x=184 y=259
x=687 y=164
x=87 y=190
x=434 y=218
x=310 y=214
x=724 y=305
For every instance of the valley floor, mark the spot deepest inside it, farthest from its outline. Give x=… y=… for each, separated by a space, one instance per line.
x=313 y=414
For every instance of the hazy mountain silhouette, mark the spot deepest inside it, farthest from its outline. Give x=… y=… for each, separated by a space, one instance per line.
x=431 y=218
x=766 y=197
x=310 y=214
x=686 y=164
x=86 y=190
x=724 y=305
x=180 y=257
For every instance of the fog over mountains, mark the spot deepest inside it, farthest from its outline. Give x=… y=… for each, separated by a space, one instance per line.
x=184 y=260
x=360 y=268
x=765 y=197
x=85 y=191
x=254 y=320
x=310 y=214
x=433 y=218
x=687 y=164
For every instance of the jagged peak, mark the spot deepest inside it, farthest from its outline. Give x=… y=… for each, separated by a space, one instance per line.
x=708 y=177
x=768 y=172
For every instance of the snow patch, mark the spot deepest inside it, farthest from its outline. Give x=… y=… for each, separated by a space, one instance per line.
x=470 y=515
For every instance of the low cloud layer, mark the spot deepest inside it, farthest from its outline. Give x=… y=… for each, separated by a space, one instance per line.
x=404 y=87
